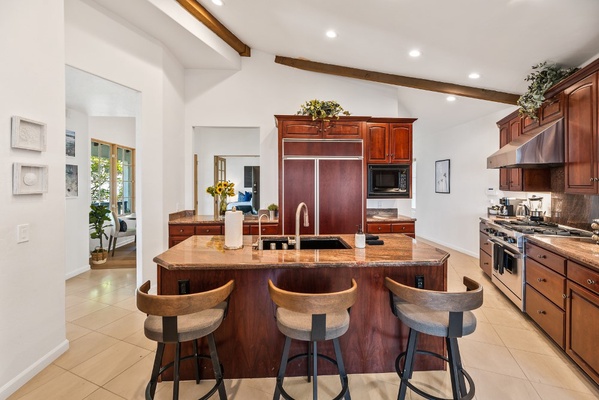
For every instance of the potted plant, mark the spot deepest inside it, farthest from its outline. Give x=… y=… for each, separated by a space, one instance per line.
x=272 y=210
x=541 y=79
x=97 y=216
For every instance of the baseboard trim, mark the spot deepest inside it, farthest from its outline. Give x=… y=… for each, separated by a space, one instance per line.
x=14 y=384
x=77 y=272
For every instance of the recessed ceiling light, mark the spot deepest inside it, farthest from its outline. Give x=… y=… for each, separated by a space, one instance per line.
x=474 y=75
x=331 y=33
x=450 y=98
x=415 y=53
x=218 y=2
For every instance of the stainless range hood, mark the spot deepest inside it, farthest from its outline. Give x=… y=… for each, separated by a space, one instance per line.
x=541 y=147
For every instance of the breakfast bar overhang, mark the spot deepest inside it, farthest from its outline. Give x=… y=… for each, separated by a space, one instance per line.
x=248 y=341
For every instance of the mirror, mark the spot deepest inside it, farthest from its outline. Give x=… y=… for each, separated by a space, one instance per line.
x=240 y=148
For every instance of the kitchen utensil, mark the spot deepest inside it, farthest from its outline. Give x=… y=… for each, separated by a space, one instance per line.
x=537 y=215
x=522 y=210
x=535 y=203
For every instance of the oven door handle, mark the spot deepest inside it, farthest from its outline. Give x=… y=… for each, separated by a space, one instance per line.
x=511 y=254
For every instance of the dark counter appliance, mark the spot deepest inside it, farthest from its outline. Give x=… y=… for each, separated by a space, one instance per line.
x=388 y=181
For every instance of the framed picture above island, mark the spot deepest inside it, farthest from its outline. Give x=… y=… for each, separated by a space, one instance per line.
x=442 y=176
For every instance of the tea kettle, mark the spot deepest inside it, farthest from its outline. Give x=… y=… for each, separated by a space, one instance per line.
x=522 y=210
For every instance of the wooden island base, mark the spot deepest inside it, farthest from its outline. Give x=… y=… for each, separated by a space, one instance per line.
x=248 y=341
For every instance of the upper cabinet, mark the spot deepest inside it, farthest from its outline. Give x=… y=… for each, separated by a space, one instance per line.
x=303 y=127
x=581 y=136
x=389 y=142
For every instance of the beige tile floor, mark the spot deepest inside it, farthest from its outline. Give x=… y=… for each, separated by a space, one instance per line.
x=109 y=357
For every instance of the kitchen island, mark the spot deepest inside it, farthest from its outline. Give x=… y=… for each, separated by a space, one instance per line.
x=248 y=340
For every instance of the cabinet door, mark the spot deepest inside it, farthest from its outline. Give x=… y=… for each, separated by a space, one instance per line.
x=376 y=136
x=581 y=136
x=301 y=129
x=515 y=173
x=340 y=189
x=299 y=182
x=342 y=129
x=400 y=143
x=504 y=173
x=582 y=329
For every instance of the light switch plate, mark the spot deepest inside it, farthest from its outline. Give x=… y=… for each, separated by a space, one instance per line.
x=22 y=233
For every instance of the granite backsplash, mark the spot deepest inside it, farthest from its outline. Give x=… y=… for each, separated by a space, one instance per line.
x=575 y=210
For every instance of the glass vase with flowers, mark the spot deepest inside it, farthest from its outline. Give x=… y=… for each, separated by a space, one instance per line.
x=220 y=191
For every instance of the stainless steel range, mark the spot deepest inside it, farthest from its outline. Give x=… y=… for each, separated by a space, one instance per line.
x=508 y=258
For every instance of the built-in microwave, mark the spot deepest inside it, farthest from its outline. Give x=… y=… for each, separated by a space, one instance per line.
x=389 y=180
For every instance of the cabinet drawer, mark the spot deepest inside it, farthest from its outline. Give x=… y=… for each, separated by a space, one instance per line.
x=485 y=244
x=547 y=282
x=547 y=258
x=266 y=229
x=485 y=262
x=301 y=129
x=549 y=317
x=340 y=130
x=403 y=228
x=181 y=230
x=529 y=124
x=552 y=109
x=584 y=276
x=209 y=230
x=379 y=228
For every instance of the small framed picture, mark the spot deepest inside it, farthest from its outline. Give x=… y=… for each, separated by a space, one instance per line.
x=72 y=180
x=442 y=176
x=28 y=134
x=70 y=143
x=29 y=179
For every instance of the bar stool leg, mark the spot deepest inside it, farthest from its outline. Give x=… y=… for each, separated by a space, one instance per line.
x=409 y=364
x=282 y=368
x=309 y=363
x=341 y=367
x=156 y=369
x=218 y=373
x=314 y=372
x=176 y=371
x=196 y=364
x=458 y=382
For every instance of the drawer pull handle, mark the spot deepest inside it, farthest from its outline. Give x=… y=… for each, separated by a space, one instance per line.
x=564 y=296
x=180 y=230
x=485 y=263
x=379 y=228
x=590 y=281
x=541 y=312
x=542 y=256
x=541 y=280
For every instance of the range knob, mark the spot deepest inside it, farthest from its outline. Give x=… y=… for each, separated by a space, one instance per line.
x=595 y=226
x=595 y=237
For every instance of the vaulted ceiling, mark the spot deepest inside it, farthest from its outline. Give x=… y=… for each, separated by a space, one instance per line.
x=498 y=39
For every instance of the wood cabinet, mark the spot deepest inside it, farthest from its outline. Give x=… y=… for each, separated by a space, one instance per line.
x=179 y=232
x=389 y=143
x=485 y=254
x=546 y=291
x=582 y=170
x=518 y=179
x=407 y=228
x=303 y=127
x=582 y=313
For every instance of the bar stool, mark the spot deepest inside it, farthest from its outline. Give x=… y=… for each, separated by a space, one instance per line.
x=312 y=317
x=444 y=314
x=183 y=318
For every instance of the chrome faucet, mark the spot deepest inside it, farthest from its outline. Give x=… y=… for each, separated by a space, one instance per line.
x=297 y=225
x=260 y=245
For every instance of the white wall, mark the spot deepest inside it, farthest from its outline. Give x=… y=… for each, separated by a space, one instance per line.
x=452 y=219
x=32 y=294
x=261 y=89
x=77 y=208
x=118 y=130
x=98 y=43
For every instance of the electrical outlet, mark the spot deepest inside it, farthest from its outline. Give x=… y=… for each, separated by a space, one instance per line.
x=419 y=281
x=184 y=286
x=22 y=233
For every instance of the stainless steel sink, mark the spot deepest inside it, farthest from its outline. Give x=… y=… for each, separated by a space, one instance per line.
x=307 y=243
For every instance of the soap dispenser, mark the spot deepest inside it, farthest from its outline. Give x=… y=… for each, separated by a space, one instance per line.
x=360 y=238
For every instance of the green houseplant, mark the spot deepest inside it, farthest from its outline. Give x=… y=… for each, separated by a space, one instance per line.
x=544 y=76
x=322 y=109
x=98 y=215
x=272 y=208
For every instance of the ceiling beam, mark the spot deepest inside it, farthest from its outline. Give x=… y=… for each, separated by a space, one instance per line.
x=398 y=80
x=202 y=15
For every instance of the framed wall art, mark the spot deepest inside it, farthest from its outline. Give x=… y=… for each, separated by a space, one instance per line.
x=72 y=180
x=28 y=134
x=29 y=179
x=70 y=143
x=442 y=176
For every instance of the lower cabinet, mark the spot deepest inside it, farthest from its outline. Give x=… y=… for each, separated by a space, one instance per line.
x=485 y=254
x=179 y=232
x=407 y=228
x=582 y=318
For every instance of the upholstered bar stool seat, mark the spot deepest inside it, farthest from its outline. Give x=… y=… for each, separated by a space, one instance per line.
x=312 y=317
x=442 y=314
x=175 y=319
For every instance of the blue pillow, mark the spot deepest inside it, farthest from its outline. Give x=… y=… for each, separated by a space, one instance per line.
x=241 y=196
x=248 y=196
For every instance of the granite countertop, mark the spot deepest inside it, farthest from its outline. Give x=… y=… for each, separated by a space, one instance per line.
x=209 y=219
x=386 y=215
x=579 y=249
x=207 y=252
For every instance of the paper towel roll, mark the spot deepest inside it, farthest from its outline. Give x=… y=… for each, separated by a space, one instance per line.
x=233 y=230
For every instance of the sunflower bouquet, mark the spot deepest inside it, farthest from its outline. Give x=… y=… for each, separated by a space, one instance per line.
x=222 y=190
